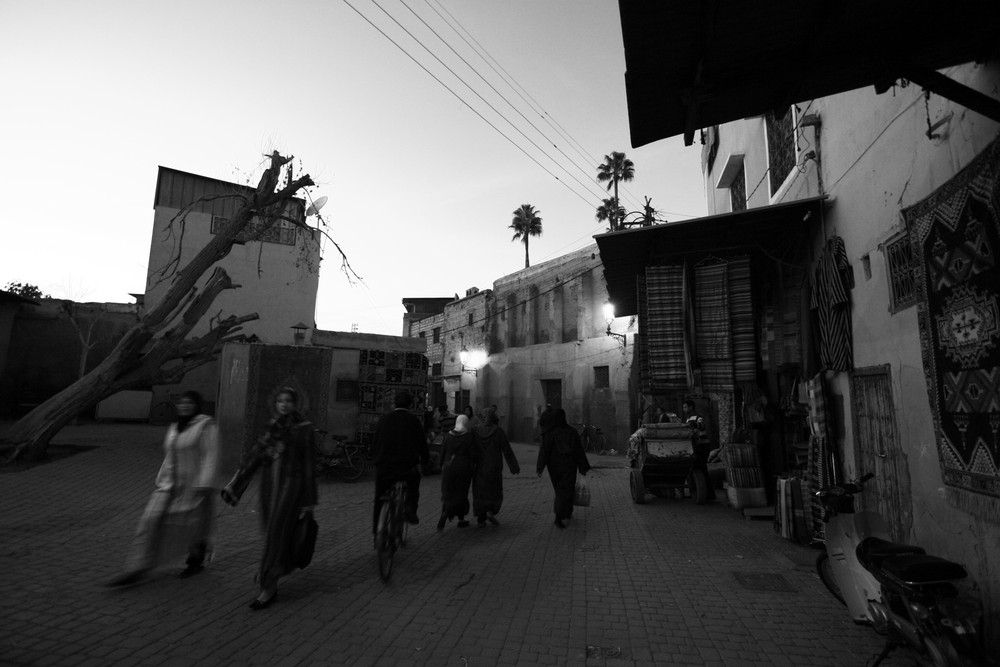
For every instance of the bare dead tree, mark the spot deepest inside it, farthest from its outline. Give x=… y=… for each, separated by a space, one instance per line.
x=157 y=349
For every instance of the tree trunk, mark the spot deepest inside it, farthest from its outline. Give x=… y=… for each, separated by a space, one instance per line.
x=150 y=352
x=526 y=265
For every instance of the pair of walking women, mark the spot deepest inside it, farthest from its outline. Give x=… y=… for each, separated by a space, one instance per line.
x=473 y=457
x=285 y=456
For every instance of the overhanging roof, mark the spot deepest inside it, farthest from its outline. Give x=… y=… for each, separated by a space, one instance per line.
x=763 y=230
x=691 y=64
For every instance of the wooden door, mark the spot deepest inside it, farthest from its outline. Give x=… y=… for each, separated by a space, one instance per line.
x=877 y=450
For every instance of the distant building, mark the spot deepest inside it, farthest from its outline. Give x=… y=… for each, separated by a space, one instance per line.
x=537 y=337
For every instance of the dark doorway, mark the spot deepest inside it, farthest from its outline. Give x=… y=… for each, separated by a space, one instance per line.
x=552 y=390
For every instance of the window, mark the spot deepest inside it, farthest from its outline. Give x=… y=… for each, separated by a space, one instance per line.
x=436 y=369
x=281 y=232
x=738 y=191
x=899 y=264
x=470 y=319
x=602 y=378
x=780 y=147
x=437 y=335
x=423 y=334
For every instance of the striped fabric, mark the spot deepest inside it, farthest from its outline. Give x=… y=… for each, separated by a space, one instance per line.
x=830 y=300
x=713 y=339
x=666 y=320
x=741 y=320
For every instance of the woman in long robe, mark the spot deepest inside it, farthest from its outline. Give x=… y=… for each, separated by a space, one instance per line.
x=180 y=513
x=491 y=448
x=562 y=453
x=456 y=473
x=286 y=456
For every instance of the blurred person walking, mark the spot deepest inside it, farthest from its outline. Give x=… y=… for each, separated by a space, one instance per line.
x=562 y=453
x=180 y=514
x=286 y=455
x=456 y=473
x=490 y=449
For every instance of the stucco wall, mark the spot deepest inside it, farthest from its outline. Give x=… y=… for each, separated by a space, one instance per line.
x=278 y=282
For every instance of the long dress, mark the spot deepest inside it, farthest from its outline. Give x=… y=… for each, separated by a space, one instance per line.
x=180 y=512
x=491 y=448
x=562 y=453
x=286 y=456
x=456 y=473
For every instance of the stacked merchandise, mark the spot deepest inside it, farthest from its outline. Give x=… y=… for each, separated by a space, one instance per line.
x=744 y=479
x=382 y=373
x=793 y=517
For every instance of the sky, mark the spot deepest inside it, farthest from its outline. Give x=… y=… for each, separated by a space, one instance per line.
x=423 y=158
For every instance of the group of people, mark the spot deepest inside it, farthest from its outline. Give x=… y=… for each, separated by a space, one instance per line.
x=472 y=457
x=180 y=514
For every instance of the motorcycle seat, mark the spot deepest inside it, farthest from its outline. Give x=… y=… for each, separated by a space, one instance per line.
x=922 y=569
x=874 y=550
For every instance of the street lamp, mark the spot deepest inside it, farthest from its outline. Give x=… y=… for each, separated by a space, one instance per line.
x=463 y=357
x=609 y=316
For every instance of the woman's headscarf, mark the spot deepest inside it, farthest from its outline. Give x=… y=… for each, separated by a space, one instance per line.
x=559 y=418
x=461 y=424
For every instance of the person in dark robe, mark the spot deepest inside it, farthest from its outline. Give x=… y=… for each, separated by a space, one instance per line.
x=545 y=420
x=456 y=473
x=399 y=448
x=286 y=456
x=490 y=450
x=562 y=453
x=180 y=513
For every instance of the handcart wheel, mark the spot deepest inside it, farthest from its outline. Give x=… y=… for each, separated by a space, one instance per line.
x=698 y=484
x=637 y=486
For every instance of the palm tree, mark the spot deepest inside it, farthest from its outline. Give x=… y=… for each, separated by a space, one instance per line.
x=616 y=167
x=606 y=211
x=526 y=223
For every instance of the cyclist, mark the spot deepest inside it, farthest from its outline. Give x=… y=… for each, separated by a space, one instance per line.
x=400 y=446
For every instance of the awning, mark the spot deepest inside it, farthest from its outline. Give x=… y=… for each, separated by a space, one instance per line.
x=691 y=64
x=768 y=231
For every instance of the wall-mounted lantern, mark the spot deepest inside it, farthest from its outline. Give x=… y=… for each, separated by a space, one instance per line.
x=609 y=316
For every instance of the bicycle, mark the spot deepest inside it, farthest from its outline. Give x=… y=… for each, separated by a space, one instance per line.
x=390 y=534
x=593 y=439
x=344 y=459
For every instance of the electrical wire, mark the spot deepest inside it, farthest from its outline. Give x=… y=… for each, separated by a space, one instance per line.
x=460 y=99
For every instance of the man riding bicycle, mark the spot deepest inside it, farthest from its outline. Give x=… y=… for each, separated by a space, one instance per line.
x=400 y=446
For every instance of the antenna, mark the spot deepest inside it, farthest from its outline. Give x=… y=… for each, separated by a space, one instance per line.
x=315 y=207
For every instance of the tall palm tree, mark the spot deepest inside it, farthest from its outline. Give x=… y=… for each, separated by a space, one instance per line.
x=616 y=167
x=526 y=223
x=607 y=211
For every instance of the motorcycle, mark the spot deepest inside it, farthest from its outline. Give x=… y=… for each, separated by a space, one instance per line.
x=913 y=598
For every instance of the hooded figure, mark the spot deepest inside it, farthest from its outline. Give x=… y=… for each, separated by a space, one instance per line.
x=456 y=473
x=491 y=448
x=562 y=453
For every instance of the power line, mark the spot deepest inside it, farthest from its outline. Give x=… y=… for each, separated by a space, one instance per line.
x=459 y=98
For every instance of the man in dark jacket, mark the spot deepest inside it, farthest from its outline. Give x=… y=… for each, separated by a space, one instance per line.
x=400 y=446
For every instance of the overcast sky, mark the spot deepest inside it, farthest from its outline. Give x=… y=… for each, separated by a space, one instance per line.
x=422 y=174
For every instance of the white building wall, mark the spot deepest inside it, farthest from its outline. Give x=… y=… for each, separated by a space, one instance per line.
x=278 y=282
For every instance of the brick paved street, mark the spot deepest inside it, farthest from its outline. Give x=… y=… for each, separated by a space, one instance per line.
x=658 y=584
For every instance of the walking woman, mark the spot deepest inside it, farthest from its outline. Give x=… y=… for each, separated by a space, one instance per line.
x=286 y=457
x=456 y=473
x=562 y=453
x=490 y=450
x=180 y=512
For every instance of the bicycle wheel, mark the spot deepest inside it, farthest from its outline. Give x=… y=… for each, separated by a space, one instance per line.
x=353 y=467
x=384 y=542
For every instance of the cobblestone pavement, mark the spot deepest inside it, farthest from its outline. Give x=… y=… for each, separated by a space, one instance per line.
x=668 y=583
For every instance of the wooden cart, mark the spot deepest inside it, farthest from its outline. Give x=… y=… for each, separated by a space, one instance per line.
x=664 y=462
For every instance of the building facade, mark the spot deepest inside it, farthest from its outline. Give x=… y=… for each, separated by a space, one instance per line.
x=538 y=337
x=890 y=285
x=278 y=276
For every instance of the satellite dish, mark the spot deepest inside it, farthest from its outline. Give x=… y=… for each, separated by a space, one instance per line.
x=314 y=207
